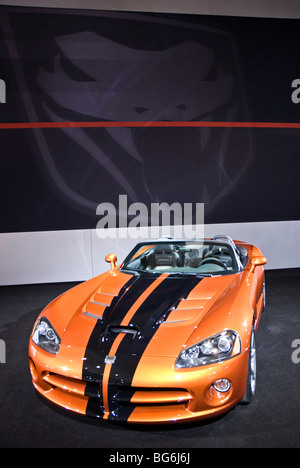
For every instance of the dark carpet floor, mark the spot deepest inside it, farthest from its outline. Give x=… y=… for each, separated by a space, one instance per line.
x=271 y=420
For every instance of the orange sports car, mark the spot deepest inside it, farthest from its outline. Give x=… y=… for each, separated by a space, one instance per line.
x=167 y=336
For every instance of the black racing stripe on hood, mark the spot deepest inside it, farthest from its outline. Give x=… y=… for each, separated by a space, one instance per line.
x=100 y=341
x=148 y=319
x=117 y=311
x=93 y=363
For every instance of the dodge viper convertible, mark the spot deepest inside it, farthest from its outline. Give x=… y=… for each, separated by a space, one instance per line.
x=167 y=336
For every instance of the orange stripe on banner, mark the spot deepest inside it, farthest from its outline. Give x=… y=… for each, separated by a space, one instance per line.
x=120 y=337
x=33 y=125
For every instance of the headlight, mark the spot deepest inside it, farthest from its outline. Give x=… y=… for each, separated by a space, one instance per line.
x=214 y=349
x=46 y=337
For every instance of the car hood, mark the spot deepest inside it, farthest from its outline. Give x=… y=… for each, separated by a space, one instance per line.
x=130 y=316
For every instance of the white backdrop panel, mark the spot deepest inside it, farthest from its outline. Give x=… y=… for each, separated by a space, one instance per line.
x=62 y=256
x=260 y=8
x=45 y=257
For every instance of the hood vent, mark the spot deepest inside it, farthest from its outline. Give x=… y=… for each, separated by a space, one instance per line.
x=116 y=329
x=95 y=308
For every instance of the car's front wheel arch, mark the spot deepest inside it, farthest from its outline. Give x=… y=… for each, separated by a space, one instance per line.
x=251 y=373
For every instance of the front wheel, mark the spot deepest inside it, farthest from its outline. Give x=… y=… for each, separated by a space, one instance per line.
x=251 y=377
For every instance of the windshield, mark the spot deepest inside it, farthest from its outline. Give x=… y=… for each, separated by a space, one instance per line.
x=197 y=257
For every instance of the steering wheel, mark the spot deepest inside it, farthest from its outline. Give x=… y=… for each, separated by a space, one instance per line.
x=214 y=260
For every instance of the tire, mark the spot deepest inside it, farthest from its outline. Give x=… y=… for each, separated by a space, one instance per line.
x=251 y=376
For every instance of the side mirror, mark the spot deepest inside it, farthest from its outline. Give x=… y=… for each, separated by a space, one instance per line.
x=112 y=259
x=258 y=261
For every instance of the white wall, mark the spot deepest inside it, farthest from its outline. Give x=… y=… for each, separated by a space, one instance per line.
x=62 y=256
x=261 y=8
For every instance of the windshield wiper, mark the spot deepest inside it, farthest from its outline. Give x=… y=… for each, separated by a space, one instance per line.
x=171 y=273
x=190 y=273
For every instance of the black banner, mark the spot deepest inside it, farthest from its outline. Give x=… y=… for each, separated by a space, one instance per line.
x=161 y=108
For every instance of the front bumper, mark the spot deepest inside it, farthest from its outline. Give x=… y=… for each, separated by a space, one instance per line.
x=158 y=393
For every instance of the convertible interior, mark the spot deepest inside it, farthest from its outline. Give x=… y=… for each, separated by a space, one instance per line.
x=208 y=257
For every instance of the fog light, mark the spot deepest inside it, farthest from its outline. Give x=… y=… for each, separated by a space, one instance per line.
x=222 y=385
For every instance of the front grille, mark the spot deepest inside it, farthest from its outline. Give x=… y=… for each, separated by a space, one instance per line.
x=120 y=394
x=76 y=386
x=145 y=396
